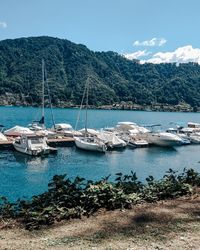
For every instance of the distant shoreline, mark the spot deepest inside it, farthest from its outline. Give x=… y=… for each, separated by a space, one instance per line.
x=133 y=107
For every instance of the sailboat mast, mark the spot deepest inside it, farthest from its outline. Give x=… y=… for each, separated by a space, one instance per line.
x=43 y=81
x=86 y=110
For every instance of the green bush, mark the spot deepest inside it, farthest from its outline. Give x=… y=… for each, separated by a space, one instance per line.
x=66 y=198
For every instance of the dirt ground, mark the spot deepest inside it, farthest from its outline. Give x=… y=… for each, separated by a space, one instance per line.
x=172 y=224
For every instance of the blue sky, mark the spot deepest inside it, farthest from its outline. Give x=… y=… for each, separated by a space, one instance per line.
x=118 y=25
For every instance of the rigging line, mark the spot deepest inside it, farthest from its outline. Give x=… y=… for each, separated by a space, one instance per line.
x=78 y=116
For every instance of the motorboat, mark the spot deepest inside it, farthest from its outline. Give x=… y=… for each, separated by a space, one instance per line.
x=184 y=136
x=134 y=142
x=90 y=144
x=194 y=125
x=163 y=139
x=195 y=138
x=17 y=131
x=111 y=140
x=65 y=129
x=132 y=134
x=33 y=145
x=131 y=128
x=39 y=130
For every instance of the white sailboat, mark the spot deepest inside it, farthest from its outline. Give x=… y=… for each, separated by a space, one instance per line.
x=88 y=142
x=39 y=126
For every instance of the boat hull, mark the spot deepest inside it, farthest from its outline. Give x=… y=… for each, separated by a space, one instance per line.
x=35 y=152
x=163 y=140
x=82 y=144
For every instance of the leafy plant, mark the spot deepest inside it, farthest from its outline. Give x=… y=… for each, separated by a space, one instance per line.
x=66 y=198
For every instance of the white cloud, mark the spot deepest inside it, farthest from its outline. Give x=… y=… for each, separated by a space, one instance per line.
x=137 y=54
x=181 y=55
x=3 y=25
x=151 y=43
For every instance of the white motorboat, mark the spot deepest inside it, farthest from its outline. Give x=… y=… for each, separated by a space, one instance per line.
x=132 y=133
x=195 y=138
x=184 y=136
x=134 y=142
x=131 y=128
x=65 y=129
x=194 y=125
x=111 y=140
x=90 y=144
x=33 y=145
x=18 y=131
x=163 y=139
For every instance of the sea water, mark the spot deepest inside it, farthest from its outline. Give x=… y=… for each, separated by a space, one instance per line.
x=23 y=176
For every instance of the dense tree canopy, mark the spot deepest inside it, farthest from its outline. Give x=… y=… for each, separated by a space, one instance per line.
x=114 y=78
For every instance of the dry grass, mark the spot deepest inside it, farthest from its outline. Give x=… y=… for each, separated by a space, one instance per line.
x=172 y=224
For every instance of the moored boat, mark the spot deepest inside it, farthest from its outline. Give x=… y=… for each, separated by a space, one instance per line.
x=111 y=140
x=90 y=144
x=163 y=139
x=33 y=145
x=89 y=141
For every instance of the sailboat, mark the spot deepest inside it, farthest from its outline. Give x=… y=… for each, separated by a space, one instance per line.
x=39 y=126
x=88 y=141
x=34 y=141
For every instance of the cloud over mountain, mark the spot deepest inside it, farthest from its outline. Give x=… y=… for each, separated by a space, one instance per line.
x=137 y=54
x=183 y=54
x=151 y=43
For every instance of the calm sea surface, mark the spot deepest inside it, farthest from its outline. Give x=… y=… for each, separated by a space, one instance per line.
x=22 y=176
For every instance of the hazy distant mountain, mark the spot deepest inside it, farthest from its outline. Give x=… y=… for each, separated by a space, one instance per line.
x=114 y=78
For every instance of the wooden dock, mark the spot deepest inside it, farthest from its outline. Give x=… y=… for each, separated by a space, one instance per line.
x=56 y=142
x=61 y=142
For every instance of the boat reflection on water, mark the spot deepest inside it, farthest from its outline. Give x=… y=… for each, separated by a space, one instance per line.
x=33 y=164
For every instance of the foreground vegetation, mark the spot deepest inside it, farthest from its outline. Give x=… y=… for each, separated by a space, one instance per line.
x=116 y=80
x=66 y=198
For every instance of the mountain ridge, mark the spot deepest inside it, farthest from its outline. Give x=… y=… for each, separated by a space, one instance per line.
x=115 y=79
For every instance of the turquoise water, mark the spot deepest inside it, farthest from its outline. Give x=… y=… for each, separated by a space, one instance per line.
x=23 y=176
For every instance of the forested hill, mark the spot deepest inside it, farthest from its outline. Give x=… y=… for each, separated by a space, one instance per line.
x=114 y=78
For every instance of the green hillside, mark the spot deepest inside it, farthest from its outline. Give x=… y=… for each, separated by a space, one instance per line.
x=114 y=78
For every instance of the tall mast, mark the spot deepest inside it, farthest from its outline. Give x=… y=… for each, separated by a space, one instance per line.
x=86 y=110
x=43 y=82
